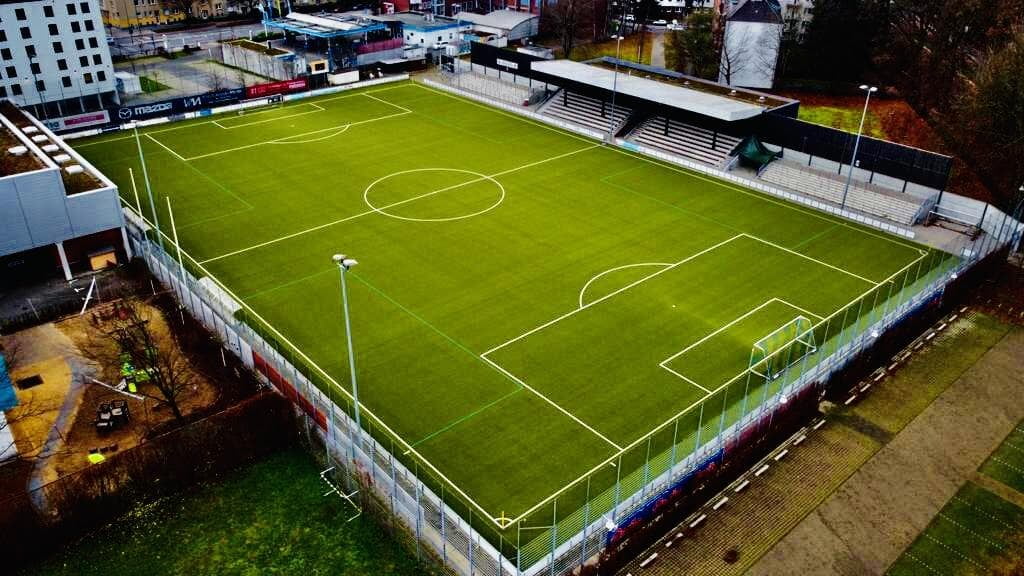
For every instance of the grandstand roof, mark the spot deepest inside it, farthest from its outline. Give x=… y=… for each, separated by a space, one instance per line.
x=504 y=19
x=700 y=102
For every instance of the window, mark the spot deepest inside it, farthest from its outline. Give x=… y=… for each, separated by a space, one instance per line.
x=12 y=72
x=58 y=48
x=30 y=51
x=16 y=89
x=83 y=60
x=101 y=76
x=89 y=26
x=94 y=43
x=87 y=77
x=25 y=33
x=3 y=91
x=19 y=13
x=76 y=26
x=84 y=6
x=97 y=59
x=35 y=68
x=62 y=64
x=40 y=86
x=79 y=44
x=66 y=81
x=48 y=11
x=53 y=29
x=71 y=10
x=3 y=36
x=5 y=53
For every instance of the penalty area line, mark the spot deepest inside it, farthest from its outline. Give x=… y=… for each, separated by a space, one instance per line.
x=515 y=379
x=392 y=205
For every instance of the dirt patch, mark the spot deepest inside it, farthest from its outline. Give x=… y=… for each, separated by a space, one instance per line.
x=87 y=332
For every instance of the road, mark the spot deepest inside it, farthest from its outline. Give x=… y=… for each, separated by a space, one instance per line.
x=139 y=42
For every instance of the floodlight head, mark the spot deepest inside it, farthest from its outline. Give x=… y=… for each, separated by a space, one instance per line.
x=338 y=258
x=610 y=526
x=954 y=276
x=874 y=333
x=783 y=399
x=863 y=86
x=349 y=262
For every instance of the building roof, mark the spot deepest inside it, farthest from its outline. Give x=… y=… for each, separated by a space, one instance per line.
x=502 y=19
x=766 y=11
x=325 y=25
x=417 y=21
x=704 y=103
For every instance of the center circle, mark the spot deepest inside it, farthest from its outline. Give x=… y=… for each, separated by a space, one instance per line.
x=424 y=194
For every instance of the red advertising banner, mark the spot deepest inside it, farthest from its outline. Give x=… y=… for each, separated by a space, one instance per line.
x=272 y=88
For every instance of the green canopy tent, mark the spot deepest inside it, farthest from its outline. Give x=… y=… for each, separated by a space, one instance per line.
x=754 y=154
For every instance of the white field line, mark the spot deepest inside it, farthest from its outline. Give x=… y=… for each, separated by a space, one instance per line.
x=689 y=381
x=805 y=256
x=550 y=401
x=607 y=296
x=216 y=121
x=760 y=196
x=286 y=138
x=617 y=268
x=402 y=108
x=162 y=145
x=795 y=307
x=265 y=120
x=340 y=131
x=684 y=411
x=363 y=408
x=718 y=331
x=392 y=205
x=665 y=363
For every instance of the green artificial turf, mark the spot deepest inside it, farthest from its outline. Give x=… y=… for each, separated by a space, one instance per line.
x=518 y=286
x=1006 y=464
x=974 y=533
x=271 y=518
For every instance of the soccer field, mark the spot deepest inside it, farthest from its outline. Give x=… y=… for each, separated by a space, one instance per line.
x=529 y=305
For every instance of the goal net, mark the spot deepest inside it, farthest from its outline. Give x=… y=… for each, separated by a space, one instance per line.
x=772 y=355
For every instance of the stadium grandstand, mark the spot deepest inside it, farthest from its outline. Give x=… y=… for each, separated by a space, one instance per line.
x=703 y=124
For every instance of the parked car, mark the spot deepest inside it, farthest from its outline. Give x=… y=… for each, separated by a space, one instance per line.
x=659 y=23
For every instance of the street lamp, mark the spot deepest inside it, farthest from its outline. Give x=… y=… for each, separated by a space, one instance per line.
x=344 y=265
x=615 y=82
x=853 y=161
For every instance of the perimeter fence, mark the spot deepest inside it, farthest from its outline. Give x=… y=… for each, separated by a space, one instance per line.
x=597 y=510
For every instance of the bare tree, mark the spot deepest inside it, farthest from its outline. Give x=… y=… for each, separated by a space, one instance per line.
x=735 y=53
x=566 y=19
x=130 y=337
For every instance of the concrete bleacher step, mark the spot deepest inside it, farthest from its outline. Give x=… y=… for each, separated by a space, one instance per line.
x=585 y=111
x=691 y=142
x=861 y=197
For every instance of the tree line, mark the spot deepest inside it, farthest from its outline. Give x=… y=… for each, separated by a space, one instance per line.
x=959 y=63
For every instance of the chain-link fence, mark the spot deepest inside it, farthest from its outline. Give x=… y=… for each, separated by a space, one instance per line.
x=583 y=518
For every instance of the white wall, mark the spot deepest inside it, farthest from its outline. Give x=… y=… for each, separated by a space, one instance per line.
x=750 y=52
x=93 y=75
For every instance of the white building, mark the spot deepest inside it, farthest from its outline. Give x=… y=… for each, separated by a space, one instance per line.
x=750 y=43
x=797 y=16
x=54 y=58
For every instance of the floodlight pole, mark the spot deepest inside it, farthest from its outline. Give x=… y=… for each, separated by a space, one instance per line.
x=344 y=265
x=615 y=82
x=856 y=144
x=149 y=189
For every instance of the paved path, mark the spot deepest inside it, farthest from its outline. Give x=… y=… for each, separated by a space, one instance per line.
x=932 y=457
x=658 y=48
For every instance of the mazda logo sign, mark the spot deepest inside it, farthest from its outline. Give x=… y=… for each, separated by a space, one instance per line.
x=124 y=113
